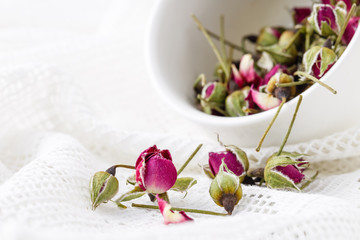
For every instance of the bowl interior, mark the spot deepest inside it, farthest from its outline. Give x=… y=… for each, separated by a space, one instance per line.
x=179 y=52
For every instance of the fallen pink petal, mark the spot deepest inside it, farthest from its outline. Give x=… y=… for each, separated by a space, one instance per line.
x=169 y=215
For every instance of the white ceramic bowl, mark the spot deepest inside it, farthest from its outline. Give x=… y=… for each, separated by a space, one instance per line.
x=177 y=52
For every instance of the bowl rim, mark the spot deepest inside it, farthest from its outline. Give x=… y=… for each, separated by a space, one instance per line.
x=197 y=115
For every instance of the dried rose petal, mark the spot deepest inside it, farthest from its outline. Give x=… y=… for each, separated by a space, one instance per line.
x=246 y=75
x=299 y=14
x=264 y=101
x=169 y=215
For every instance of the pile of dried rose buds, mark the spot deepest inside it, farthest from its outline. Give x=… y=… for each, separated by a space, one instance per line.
x=285 y=62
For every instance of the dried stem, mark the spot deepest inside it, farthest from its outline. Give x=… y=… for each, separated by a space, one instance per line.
x=180 y=209
x=189 y=159
x=304 y=74
x=292 y=83
x=291 y=125
x=216 y=51
x=270 y=125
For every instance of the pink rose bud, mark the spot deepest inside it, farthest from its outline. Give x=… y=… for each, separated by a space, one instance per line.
x=318 y=60
x=169 y=215
x=264 y=101
x=327 y=20
x=299 y=14
x=235 y=159
x=246 y=74
x=155 y=171
x=350 y=30
x=285 y=171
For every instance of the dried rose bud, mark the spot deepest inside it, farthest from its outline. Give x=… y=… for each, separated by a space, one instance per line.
x=103 y=187
x=280 y=78
x=299 y=14
x=213 y=94
x=235 y=159
x=226 y=189
x=350 y=30
x=264 y=101
x=246 y=74
x=235 y=103
x=268 y=36
x=169 y=215
x=285 y=171
x=155 y=171
x=327 y=20
x=318 y=60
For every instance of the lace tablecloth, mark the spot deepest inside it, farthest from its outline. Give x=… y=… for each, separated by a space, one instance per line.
x=71 y=105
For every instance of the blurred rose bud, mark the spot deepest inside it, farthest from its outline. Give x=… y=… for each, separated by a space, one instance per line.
x=285 y=171
x=299 y=14
x=235 y=159
x=103 y=187
x=226 y=189
x=280 y=78
x=350 y=30
x=213 y=95
x=235 y=103
x=169 y=215
x=327 y=20
x=279 y=53
x=318 y=60
x=155 y=171
x=246 y=74
x=268 y=36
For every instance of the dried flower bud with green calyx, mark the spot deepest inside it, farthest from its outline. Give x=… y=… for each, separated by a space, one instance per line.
x=284 y=171
x=226 y=189
x=103 y=187
x=327 y=20
x=213 y=96
x=235 y=104
x=318 y=60
x=280 y=78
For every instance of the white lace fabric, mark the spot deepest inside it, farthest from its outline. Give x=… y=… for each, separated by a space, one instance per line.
x=55 y=134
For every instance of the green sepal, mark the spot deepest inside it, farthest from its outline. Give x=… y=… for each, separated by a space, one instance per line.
x=183 y=184
x=133 y=194
x=120 y=205
x=207 y=171
x=131 y=180
x=327 y=57
x=310 y=57
x=278 y=54
x=276 y=180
